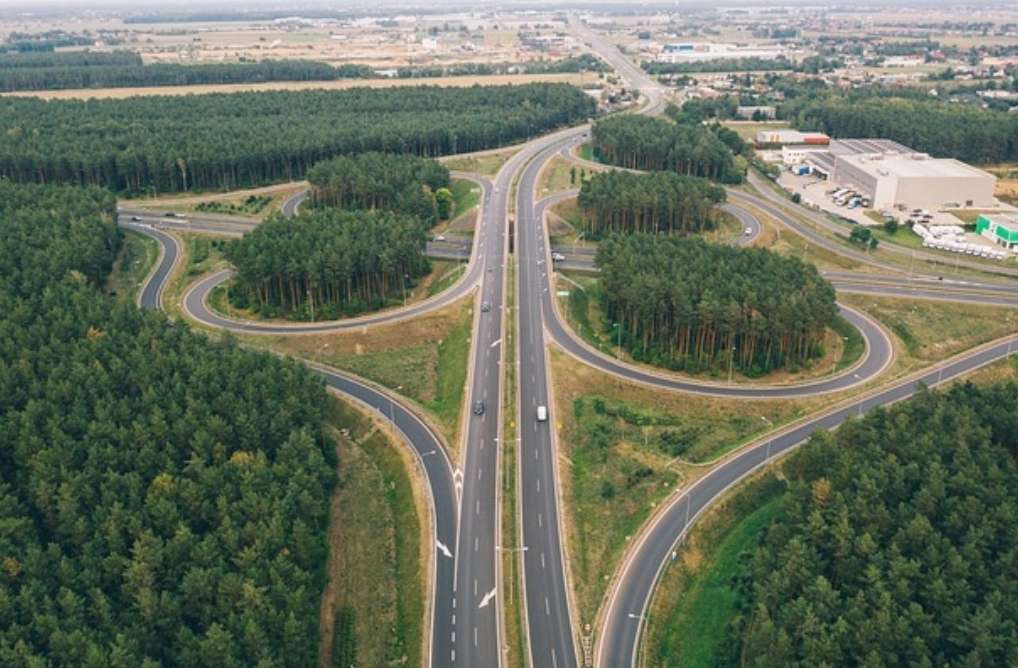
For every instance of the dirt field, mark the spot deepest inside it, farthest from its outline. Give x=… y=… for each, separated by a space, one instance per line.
x=117 y=93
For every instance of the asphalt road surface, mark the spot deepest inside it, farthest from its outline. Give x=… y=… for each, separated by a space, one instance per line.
x=618 y=638
x=426 y=444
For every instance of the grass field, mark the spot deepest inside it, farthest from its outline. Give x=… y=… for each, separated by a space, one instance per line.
x=695 y=600
x=487 y=163
x=423 y=359
x=625 y=447
x=137 y=257
x=249 y=202
x=930 y=331
x=558 y=175
x=748 y=129
x=454 y=81
x=465 y=196
x=373 y=605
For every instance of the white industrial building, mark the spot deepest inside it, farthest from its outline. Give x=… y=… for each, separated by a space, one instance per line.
x=891 y=175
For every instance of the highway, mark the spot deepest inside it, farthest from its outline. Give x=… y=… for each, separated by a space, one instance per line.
x=629 y=598
x=430 y=453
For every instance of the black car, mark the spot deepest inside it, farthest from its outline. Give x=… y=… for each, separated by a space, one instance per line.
x=478 y=408
x=485 y=307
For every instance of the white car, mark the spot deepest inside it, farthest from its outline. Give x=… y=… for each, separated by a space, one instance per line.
x=557 y=257
x=542 y=413
x=749 y=231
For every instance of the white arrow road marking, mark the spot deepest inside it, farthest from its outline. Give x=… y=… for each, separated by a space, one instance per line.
x=487 y=599
x=495 y=342
x=443 y=549
x=457 y=478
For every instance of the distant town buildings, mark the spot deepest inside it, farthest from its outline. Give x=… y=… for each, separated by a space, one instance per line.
x=691 y=52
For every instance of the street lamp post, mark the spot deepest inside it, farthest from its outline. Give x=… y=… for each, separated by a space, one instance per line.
x=731 y=360
x=618 y=352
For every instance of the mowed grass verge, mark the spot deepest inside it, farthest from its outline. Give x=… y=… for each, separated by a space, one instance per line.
x=137 y=257
x=373 y=607
x=696 y=600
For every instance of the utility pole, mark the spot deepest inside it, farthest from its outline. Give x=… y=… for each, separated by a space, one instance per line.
x=731 y=359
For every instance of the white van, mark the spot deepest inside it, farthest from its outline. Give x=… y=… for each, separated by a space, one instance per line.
x=542 y=413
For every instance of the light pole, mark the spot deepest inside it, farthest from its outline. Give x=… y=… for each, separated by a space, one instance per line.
x=767 y=453
x=731 y=359
x=618 y=352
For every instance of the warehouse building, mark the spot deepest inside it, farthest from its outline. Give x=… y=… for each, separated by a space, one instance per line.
x=892 y=175
x=1000 y=228
x=785 y=137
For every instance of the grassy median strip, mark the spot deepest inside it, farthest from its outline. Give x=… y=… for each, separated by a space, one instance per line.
x=512 y=584
x=137 y=257
x=487 y=164
x=373 y=607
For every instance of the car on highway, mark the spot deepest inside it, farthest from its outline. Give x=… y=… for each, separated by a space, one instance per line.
x=478 y=408
x=557 y=257
x=172 y=214
x=485 y=307
x=440 y=237
x=542 y=413
x=749 y=231
x=135 y=219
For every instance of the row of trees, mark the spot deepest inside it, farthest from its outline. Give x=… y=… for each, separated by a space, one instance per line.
x=642 y=142
x=942 y=129
x=124 y=69
x=401 y=183
x=67 y=59
x=686 y=304
x=327 y=263
x=655 y=202
x=748 y=64
x=173 y=74
x=896 y=543
x=227 y=141
x=163 y=498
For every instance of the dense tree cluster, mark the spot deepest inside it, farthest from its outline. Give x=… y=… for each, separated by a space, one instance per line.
x=654 y=202
x=896 y=545
x=232 y=140
x=686 y=304
x=961 y=131
x=327 y=263
x=748 y=64
x=642 y=142
x=163 y=498
x=172 y=74
x=37 y=71
x=48 y=231
x=585 y=62
x=401 y=183
x=68 y=59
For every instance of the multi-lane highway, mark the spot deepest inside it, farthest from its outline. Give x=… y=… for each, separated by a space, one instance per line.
x=431 y=454
x=629 y=598
x=465 y=619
